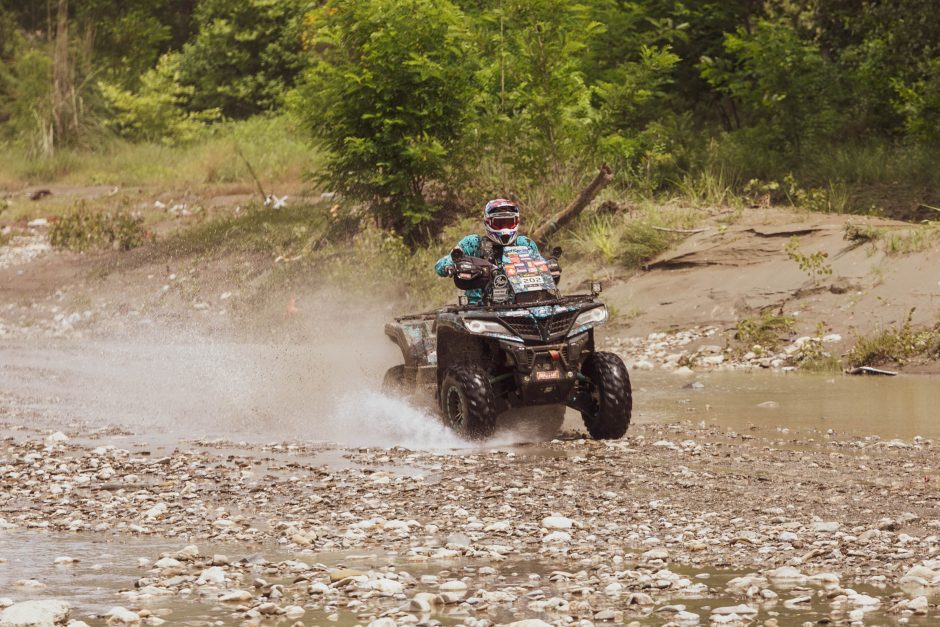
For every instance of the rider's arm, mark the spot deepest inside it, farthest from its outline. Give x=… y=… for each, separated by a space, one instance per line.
x=470 y=245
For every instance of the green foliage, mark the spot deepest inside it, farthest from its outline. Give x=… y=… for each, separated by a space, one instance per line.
x=785 y=88
x=478 y=97
x=814 y=264
x=916 y=239
x=762 y=334
x=919 y=104
x=274 y=146
x=245 y=54
x=83 y=230
x=25 y=94
x=534 y=83
x=897 y=345
x=388 y=100
x=633 y=133
x=155 y=112
x=627 y=240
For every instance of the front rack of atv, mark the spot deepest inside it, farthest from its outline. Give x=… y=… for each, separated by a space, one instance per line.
x=563 y=300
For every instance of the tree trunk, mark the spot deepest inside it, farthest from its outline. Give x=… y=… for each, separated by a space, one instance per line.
x=570 y=212
x=62 y=98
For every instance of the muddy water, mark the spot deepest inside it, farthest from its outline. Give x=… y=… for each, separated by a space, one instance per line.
x=888 y=407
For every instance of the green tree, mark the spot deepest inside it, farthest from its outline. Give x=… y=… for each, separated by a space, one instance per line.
x=786 y=92
x=632 y=127
x=538 y=104
x=245 y=55
x=388 y=99
x=156 y=111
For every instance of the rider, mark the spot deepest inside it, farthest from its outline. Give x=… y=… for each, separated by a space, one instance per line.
x=501 y=220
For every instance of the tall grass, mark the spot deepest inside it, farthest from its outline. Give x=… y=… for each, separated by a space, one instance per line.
x=629 y=239
x=272 y=145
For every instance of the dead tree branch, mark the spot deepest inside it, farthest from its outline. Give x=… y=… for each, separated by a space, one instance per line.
x=548 y=228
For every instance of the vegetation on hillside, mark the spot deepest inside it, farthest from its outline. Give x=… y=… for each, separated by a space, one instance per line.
x=417 y=108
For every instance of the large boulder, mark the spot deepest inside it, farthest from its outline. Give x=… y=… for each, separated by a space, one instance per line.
x=35 y=614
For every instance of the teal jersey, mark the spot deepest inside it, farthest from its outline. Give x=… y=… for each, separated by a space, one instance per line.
x=471 y=246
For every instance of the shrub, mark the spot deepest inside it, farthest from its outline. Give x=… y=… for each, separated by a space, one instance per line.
x=82 y=230
x=764 y=331
x=388 y=99
x=156 y=111
x=896 y=345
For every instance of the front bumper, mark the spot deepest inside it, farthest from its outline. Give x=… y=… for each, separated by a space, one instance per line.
x=546 y=374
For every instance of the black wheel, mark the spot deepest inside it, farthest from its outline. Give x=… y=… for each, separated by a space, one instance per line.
x=611 y=398
x=393 y=383
x=467 y=401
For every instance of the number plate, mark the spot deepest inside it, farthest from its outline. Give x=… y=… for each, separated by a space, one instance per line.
x=548 y=375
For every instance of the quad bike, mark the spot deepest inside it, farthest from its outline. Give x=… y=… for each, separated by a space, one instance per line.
x=523 y=346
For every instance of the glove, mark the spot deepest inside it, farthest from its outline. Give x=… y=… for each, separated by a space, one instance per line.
x=450 y=270
x=466 y=270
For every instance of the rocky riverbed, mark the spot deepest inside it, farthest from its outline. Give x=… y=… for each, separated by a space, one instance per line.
x=677 y=524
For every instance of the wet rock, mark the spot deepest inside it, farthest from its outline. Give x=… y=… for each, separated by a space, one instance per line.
x=786 y=574
x=235 y=596
x=740 y=610
x=35 y=614
x=167 y=562
x=122 y=616
x=557 y=537
x=214 y=575
x=188 y=553
x=344 y=573
x=453 y=586
x=557 y=522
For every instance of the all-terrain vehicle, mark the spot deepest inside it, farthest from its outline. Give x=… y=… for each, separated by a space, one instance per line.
x=523 y=345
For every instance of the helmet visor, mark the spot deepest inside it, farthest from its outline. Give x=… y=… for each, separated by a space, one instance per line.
x=503 y=221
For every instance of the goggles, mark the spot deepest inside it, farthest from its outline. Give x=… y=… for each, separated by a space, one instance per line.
x=502 y=221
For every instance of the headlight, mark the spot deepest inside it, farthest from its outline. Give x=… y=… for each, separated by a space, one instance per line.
x=486 y=326
x=591 y=317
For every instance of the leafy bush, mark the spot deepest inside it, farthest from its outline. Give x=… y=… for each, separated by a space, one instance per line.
x=245 y=54
x=156 y=112
x=763 y=332
x=83 y=230
x=388 y=99
x=897 y=345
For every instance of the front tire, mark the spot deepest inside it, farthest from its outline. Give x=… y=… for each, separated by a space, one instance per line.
x=467 y=401
x=611 y=397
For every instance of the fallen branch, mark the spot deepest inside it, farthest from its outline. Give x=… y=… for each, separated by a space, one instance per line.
x=684 y=231
x=870 y=370
x=251 y=170
x=570 y=212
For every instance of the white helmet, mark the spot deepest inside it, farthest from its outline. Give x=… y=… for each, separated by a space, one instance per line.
x=501 y=219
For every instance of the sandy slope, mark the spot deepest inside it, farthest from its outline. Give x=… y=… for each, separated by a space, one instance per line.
x=714 y=278
x=723 y=275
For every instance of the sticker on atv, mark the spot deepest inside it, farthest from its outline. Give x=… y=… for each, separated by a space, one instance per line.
x=527 y=272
